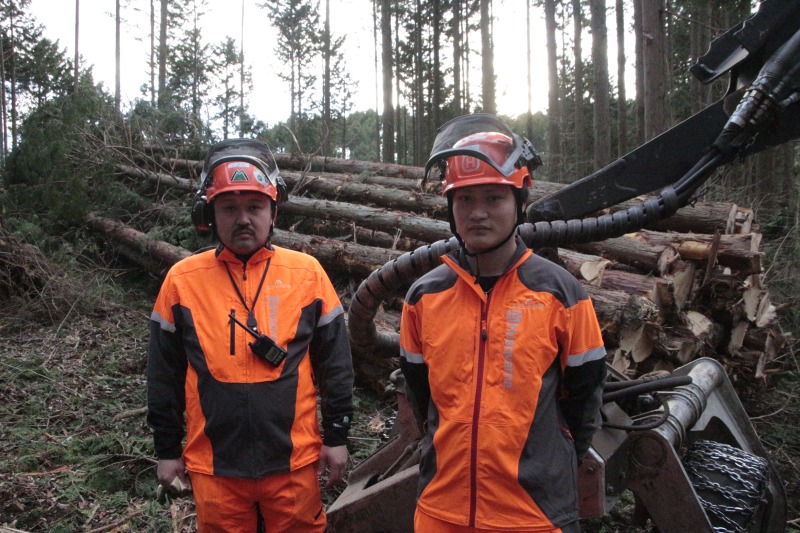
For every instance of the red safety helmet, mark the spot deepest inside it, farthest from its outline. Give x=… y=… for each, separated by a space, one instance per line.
x=481 y=149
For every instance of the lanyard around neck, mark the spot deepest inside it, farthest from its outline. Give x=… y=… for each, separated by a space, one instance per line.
x=251 y=317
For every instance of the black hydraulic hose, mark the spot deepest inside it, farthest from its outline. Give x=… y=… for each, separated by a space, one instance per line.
x=626 y=383
x=565 y=232
x=641 y=426
x=759 y=105
x=648 y=386
x=389 y=281
x=754 y=112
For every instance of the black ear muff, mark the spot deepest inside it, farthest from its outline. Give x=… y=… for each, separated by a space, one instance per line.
x=202 y=215
x=283 y=193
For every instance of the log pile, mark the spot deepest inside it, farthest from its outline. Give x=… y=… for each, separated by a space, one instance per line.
x=691 y=286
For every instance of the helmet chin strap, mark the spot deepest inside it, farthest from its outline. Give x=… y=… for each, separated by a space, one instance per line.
x=520 y=220
x=482 y=252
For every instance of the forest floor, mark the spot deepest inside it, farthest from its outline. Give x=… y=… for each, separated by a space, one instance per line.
x=76 y=454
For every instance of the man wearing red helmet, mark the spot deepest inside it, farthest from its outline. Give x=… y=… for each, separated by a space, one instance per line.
x=501 y=351
x=241 y=338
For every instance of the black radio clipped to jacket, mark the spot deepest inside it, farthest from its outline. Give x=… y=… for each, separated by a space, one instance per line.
x=264 y=347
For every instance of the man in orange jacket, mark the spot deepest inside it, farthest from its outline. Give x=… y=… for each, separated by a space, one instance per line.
x=501 y=352
x=241 y=338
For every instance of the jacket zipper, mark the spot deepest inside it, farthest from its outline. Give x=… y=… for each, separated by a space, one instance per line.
x=473 y=465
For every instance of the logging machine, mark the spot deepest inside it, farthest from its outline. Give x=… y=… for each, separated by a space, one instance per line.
x=682 y=444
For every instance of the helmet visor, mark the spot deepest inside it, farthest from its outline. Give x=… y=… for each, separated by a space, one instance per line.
x=462 y=136
x=251 y=151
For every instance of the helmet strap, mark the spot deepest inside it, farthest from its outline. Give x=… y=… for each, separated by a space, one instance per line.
x=486 y=251
x=520 y=215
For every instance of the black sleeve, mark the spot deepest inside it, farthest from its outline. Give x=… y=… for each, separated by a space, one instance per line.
x=166 y=400
x=333 y=370
x=418 y=389
x=581 y=404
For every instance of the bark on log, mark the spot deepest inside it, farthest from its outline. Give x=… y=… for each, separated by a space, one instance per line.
x=156 y=256
x=158 y=177
x=703 y=217
x=195 y=167
x=739 y=252
x=406 y=200
x=337 y=256
x=352 y=232
x=644 y=257
x=383 y=191
x=303 y=162
x=662 y=298
x=415 y=227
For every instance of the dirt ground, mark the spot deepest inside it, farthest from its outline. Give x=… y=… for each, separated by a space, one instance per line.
x=76 y=455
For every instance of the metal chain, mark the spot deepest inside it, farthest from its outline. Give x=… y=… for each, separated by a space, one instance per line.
x=747 y=476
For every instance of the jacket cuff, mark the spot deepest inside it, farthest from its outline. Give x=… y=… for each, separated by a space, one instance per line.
x=167 y=447
x=336 y=432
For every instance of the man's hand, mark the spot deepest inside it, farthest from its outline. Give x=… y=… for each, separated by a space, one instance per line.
x=171 y=474
x=335 y=460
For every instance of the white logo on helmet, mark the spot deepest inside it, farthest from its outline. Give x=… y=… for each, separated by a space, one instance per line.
x=468 y=164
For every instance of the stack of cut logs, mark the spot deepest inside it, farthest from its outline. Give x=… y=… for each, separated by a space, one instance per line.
x=691 y=286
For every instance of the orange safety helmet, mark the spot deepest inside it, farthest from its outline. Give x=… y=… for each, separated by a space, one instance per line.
x=481 y=149
x=240 y=174
x=466 y=170
x=236 y=165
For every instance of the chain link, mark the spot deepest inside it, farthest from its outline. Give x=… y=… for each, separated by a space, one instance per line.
x=744 y=476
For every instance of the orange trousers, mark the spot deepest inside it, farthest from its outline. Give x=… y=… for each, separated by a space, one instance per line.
x=289 y=503
x=427 y=524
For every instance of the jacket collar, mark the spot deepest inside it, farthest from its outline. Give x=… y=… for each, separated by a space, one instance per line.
x=262 y=254
x=457 y=258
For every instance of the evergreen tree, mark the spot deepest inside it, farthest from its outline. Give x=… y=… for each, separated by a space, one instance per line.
x=227 y=70
x=297 y=22
x=188 y=81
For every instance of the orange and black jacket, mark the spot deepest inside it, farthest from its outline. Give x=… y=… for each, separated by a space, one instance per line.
x=245 y=417
x=509 y=385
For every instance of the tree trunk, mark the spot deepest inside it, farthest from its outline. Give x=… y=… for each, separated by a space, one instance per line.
x=152 y=52
x=77 y=73
x=458 y=106
x=554 y=156
x=326 y=83
x=419 y=107
x=622 y=102
x=398 y=187
x=117 y=49
x=13 y=61
x=639 y=70
x=377 y=77
x=242 y=76
x=582 y=166
x=655 y=83
x=3 y=110
x=662 y=298
x=155 y=256
x=602 y=111
x=388 y=74
x=487 y=59
x=529 y=118
x=162 y=56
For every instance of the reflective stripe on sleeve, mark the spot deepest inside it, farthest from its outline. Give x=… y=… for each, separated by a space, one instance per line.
x=166 y=325
x=590 y=355
x=415 y=358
